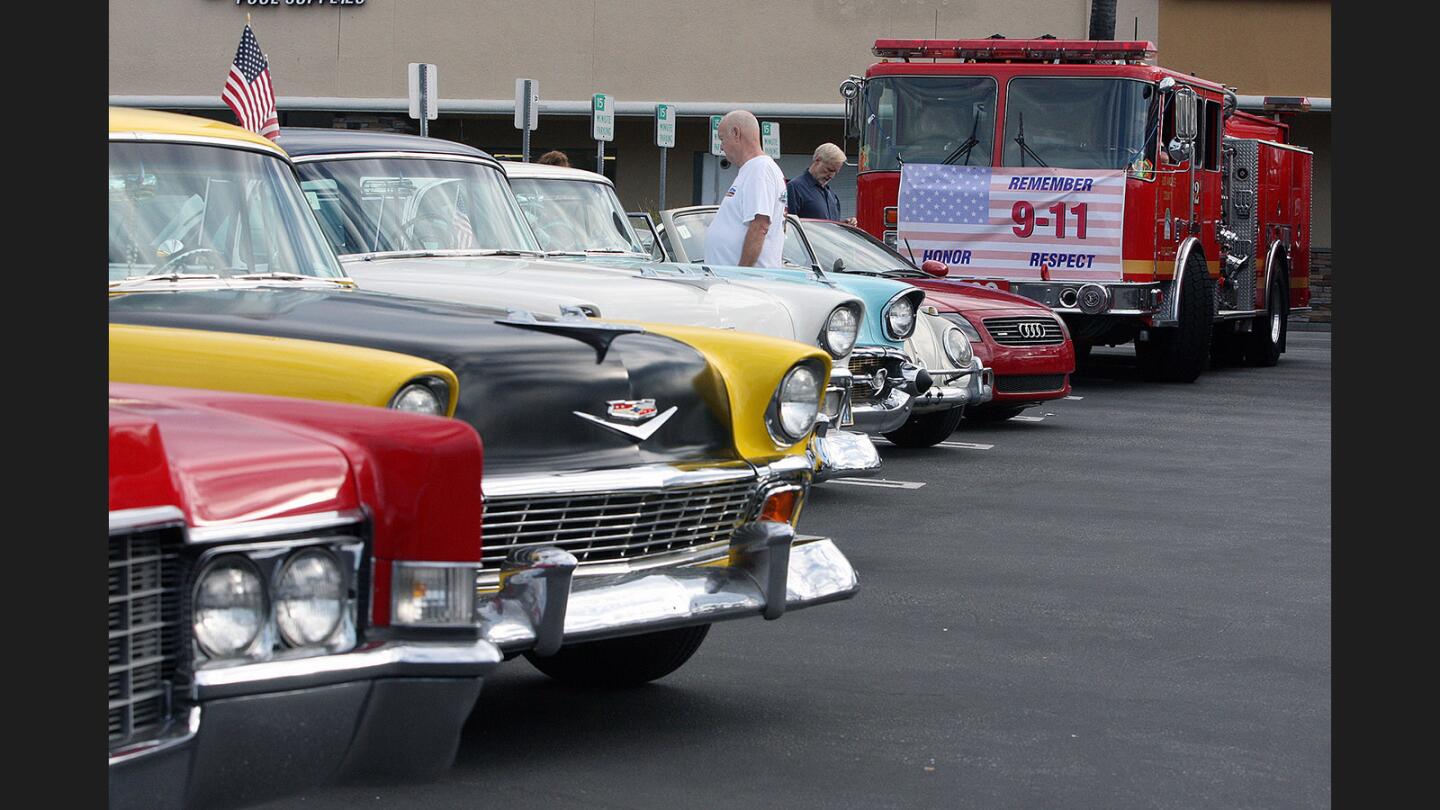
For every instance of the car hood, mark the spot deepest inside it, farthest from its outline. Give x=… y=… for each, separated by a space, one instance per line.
x=967 y=297
x=542 y=286
x=521 y=383
x=218 y=468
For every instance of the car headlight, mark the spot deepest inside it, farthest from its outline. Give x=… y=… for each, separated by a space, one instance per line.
x=229 y=607
x=841 y=330
x=963 y=324
x=796 y=405
x=957 y=347
x=309 y=598
x=433 y=595
x=900 y=318
x=422 y=396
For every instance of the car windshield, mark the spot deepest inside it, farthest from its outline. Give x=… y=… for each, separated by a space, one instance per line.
x=1077 y=123
x=690 y=230
x=928 y=119
x=189 y=209
x=572 y=215
x=380 y=205
x=861 y=252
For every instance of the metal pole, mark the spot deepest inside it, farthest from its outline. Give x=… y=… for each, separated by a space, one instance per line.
x=525 y=145
x=600 y=157
x=424 y=101
x=663 y=153
x=717 y=179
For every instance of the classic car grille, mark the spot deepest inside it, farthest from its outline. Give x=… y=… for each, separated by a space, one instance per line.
x=1027 y=383
x=1008 y=331
x=863 y=367
x=145 y=630
x=606 y=527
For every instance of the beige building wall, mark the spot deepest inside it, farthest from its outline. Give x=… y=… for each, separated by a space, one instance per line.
x=1263 y=47
x=636 y=50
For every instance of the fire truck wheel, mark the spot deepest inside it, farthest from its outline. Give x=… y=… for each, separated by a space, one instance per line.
x=1267 y=339
x=926 y=429
x=991 y=413
x=1180 y=353
x=1082 y=353
x=621 y=662
x=1228 y=348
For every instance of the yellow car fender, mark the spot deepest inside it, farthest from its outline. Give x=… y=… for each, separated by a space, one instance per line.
x=751 y=366
x=259 y=364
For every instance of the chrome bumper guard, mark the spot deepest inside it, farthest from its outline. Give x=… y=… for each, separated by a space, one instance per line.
x=842 y=452
x=766 y=570
x=885 y=414
x=968 y=386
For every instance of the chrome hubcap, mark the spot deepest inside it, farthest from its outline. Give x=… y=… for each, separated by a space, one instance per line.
x=1275 y=325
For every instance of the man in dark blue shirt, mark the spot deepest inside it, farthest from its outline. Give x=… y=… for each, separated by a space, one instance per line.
x=809 y=194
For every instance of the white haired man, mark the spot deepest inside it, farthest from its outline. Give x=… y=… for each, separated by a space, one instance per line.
x=749 y=228
x=810 y=194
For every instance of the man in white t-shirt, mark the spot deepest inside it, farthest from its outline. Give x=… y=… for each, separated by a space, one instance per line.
x=749 y=228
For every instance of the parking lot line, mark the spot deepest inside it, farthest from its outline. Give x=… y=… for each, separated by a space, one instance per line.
x=1077 y=399
x=879 y=482
x=1027 y=419
x=967 y=445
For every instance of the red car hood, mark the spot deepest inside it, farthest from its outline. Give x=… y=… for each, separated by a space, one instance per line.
x=961 y=296
x=218 y=468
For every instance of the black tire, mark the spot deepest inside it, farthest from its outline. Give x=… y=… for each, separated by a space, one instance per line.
x=1082 y=354
x=927 y=429
x=1267 y=338
x=621 y=662
x=1228 y=348
x=1180 y=353
x=992 y=414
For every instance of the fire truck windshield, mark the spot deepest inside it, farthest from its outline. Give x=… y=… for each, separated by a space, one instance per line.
x=1078 y=123
x=928 y=119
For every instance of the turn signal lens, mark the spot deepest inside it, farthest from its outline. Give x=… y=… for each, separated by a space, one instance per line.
x=780 y=507
x=891 y=216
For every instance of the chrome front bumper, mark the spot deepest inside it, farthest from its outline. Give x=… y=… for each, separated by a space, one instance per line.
x=765 y=570
x=957 y=387
x=842 y=452
x=885 y=414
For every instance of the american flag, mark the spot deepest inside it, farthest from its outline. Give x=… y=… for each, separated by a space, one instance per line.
x=247 y=88
x=464 y=232
x=965 y=216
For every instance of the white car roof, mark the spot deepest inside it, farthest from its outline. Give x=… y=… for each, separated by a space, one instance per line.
x=544 y=170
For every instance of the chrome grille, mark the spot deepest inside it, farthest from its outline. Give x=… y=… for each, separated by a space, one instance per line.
x=1012 y=331
x=1028 y=383
x=863 y=367
x=145 y=630
x=613 y=526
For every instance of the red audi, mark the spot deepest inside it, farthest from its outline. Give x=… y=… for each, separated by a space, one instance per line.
x=1024 y=342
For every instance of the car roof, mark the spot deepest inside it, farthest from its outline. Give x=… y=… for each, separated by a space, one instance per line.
x=303 y=141
x=545 y=170
x=130 y=120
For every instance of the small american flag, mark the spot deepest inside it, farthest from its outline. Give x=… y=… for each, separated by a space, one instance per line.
x=247 y=88
x=464 y=233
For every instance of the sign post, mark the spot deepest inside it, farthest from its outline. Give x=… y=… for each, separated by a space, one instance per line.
x=665 y=139
x=602 y=126
x=424 y=95
x=770 y=138
x=716 y=151
x=527 y=112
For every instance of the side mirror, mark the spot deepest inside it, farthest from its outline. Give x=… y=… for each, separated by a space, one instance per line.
x=850 y=91
x=1186 y=115
x=838 y=266
x=1178 y=150
x=938 y=269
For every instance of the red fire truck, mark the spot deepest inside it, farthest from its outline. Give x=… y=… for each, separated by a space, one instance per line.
x=1214 y=239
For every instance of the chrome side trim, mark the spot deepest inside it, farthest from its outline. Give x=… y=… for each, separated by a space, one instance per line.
x=393 y=155
x=150 y=517
x=1271 y=259
x=200 y=140
x=177 y=736
x=274 y=527
x=374 y=660
x=1171 y=312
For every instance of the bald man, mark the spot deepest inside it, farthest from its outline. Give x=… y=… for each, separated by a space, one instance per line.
x=749 y=228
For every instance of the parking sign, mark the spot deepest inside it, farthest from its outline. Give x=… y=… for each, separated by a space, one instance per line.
x=770 y=138
x=715 y=136
x=665 y=125
x=602 y=117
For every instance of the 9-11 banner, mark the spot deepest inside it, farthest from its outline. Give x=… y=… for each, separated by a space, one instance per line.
x=1009 y=222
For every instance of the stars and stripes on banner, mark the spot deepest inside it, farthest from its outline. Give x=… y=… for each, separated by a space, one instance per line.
x=247 y=88
x=1002 y=222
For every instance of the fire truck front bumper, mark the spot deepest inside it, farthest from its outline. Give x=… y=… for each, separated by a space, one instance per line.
x=1140 y=299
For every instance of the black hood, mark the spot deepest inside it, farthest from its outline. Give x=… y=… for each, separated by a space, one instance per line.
x=519 y=385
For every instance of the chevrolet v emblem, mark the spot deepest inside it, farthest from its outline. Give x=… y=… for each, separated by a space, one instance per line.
x=637 y=432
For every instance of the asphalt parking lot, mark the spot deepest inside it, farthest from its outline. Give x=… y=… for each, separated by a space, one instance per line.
x=1121 y=601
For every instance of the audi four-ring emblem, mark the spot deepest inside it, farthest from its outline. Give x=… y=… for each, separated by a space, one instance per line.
x=1032 y=330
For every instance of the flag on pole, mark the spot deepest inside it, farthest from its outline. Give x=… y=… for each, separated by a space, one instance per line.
x=247 y=88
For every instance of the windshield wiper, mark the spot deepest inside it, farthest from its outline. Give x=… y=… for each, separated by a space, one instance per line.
x=279 y=276
x=1024 y=149
x=168 y=277
x=964 y=148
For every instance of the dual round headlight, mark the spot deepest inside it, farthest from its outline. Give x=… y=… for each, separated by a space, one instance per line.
x=900 y=318
x=231 y=609
x=842 y=328
x=957 y=347
x=797 y=403
x=419 y=397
